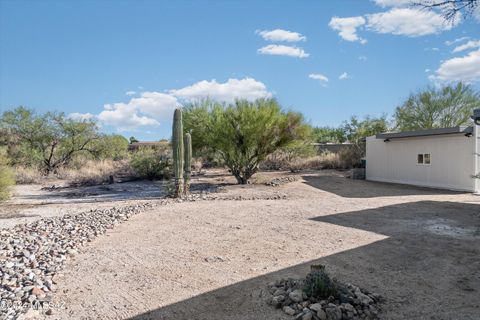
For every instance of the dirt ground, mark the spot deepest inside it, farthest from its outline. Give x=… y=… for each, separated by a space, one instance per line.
x=212 y=259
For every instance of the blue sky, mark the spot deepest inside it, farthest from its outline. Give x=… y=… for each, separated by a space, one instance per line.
x=128 y=63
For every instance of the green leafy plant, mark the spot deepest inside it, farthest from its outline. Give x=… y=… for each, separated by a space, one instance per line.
x=7 y=179
x=150 y=163
x=243 y=133
x=48 y=140
x=448 y=106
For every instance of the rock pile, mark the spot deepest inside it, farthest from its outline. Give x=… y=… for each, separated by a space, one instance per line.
x=279 y=181
x=352 y=302
x=32 y=254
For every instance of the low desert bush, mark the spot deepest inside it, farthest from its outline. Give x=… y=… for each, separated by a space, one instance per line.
x=27 y=175
x=331 y=160
x=92 y=172
x=318 y=284
x=350 y=157
x=151 y=164
x=6 y=178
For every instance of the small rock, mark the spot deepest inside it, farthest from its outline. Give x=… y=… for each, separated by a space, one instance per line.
x=307 y=316
x=316 y=307
x=277 y=301
x=279 y=292
x=288 y=310
x=296 y=295
x=321 y=314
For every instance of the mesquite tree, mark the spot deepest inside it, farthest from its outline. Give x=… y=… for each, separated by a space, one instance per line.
x=243 y=133
x=49 y=140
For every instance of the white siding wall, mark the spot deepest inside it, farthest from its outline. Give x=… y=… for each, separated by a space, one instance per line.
x=453 y=161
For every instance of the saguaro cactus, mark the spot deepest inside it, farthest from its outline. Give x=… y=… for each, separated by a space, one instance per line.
x=188 y=162
x=177 y=145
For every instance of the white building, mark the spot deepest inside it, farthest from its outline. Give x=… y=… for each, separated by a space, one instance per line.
x=447 y=158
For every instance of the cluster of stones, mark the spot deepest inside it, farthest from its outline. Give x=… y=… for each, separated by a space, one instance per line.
x=282 y=180
x=32 y=254
x=249 y=197
x=353 y=303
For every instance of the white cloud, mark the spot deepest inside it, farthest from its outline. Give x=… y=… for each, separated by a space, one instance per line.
x=427 y=70
x=155 y=104
x=151 y=108
x=393 y=3
x=281 y=50
x=320 y=77
x=344 y=76
x=247 y=88
x=362 y=58
x=130 y=93
x=469 y=45
x=408 y=22
x=124 y=117
x=347 y=27
x=281 y=35
x=466 y=68
x=449 y=43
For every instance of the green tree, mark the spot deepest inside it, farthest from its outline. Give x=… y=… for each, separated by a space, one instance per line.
x=112 y=146
x=448 y=106
x=329 y=134
x=357 y=130
x=243 y=133
x=49 y=140
x=133 y=140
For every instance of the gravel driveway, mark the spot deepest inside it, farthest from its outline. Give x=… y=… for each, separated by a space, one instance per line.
x=212 y=259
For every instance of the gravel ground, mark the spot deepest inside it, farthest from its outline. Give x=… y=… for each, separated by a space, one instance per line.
x=212 y=259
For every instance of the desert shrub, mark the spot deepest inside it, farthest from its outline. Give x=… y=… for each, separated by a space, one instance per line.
x=6 y=178
x=318 y=284
x=243 y=133
x=312 y=163
x=331 y=160
x=350 y=157
x=149 y=163
x=92 y=172
x=27 y=175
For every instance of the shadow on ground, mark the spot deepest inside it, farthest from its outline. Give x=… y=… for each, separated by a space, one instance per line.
x=125 y=191
x=427 y=268
x=350 y=188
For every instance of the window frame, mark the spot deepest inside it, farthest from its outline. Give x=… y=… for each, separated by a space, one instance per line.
x=423 y=157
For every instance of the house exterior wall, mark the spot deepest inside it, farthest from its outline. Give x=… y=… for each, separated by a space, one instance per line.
x=453 y=161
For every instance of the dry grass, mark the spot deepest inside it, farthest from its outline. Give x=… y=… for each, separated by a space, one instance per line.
x=326 y=161
x=28 y=175
x=94 y=172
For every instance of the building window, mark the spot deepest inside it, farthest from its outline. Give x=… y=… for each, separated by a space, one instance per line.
x=420 y=158
x=423 y=158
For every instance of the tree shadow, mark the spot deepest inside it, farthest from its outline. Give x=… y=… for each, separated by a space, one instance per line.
x=427 y=267
x=350 y=188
